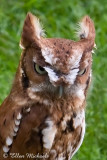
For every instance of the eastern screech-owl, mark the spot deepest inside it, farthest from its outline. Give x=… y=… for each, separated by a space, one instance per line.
x=44 y=112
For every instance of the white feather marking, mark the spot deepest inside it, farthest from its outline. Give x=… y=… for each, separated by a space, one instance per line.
x=46 y=102
x=16 y=128
x=49 y=134
x=95 y=46
x=93 y=51
x=36 y=88
x=64 y=122
x=6 y=149
x=34 y=59
x=32 y=95
x=20 y=101
x=70 y=78
x=17 y=122
x=78 y=91
x=19 y=116
x=14 y=134
x=47 y=54
x=33 y=89
x=78 y=120
x=28 y=109
x=21 y=71
x=52 y=75
x=91 y=73
x=9 y=141
x=21 y=46
x=61 y=157
x=53 y=151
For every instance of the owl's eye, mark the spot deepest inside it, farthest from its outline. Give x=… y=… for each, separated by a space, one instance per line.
x=39 y=69
x=81 y=72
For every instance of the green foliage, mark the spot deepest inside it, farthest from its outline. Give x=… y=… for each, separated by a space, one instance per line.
x=59 y=18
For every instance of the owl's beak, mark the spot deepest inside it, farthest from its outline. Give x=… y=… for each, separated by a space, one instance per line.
x=60 y=91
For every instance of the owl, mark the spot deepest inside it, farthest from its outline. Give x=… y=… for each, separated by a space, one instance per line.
x=43 y=117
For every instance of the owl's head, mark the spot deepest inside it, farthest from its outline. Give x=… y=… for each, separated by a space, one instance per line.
x=55 y=66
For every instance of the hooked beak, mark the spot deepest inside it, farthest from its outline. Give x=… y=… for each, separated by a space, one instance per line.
x=60 y=91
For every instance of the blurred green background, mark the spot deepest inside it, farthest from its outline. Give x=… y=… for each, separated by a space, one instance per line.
x=59 y=18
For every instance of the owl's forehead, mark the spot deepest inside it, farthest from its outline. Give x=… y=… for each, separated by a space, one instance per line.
x=61 y=53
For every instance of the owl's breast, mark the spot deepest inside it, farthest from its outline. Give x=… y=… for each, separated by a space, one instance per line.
x=50 y=132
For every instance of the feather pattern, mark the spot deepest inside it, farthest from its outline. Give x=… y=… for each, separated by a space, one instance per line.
x=45 y=111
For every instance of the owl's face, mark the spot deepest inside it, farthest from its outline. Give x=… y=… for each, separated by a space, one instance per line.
x=52 y=66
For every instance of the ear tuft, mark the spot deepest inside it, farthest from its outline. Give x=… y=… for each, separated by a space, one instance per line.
x=39 y=31
x=86 y=29
x=32 y=30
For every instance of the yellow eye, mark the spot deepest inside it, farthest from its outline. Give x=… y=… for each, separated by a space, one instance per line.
x=81 y=72
x=39 y=69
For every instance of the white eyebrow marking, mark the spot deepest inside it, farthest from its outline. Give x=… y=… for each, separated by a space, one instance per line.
x=72 y=76
x=47 y=54
x=52 y=75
